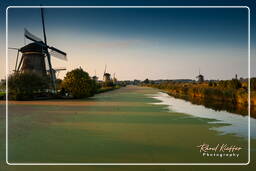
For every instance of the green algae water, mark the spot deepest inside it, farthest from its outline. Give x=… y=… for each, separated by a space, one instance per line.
x=121 y=126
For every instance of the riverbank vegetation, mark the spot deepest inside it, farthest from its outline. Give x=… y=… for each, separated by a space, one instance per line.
x=76 y=84
x=229 y=92
x=2 y=89
x=24 y=86
x=103 y=89
x=79 y=84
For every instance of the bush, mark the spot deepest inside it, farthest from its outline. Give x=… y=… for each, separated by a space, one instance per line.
x=79 y=84
x=23 y=86
x=146 y=81
x=235 y=84
x=230 y=94
x=253 y=83
x=58 y=84
x=210 y=84
x=108 y=83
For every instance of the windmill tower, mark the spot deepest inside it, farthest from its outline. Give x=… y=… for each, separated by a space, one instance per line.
x=200 y=77
x=106 y=76
x=37 y=55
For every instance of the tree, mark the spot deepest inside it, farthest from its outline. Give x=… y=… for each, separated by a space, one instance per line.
x=58 y=83
x=210 y=84
x=146 y=81
x=235 y=84
x=108 y=83
x=79 y=84
x=23 y=86
x=2 y=85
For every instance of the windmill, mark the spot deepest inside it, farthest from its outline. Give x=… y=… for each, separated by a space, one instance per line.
x=200 y=77
x=37 y=55
x=106 y=76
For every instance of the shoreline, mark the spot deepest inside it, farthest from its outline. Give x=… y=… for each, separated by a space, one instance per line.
x=215 y=104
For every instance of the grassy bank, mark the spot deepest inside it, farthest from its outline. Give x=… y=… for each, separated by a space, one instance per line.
x=231 y=96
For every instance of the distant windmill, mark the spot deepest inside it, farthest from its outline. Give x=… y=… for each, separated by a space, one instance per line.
x=106 y=76
x=34 y=54
x=200 y=77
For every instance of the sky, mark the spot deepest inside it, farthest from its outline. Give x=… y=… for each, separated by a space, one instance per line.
x=139 y=43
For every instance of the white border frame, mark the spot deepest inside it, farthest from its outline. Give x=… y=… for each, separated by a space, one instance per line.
x=40 y=164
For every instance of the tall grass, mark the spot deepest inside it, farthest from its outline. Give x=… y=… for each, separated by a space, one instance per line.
x=226 y=91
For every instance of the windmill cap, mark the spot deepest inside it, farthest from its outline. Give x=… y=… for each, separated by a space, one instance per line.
x=32 y=47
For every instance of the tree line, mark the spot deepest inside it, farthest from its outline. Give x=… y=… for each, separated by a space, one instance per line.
x=76 y=84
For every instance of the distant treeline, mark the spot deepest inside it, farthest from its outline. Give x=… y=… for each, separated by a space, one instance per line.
x=227 y=91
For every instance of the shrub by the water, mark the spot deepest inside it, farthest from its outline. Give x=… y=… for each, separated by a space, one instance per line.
x=79 y=84
x=23 y=86
x=108 y=84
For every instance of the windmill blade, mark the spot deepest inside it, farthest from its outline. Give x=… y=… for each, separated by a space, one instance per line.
x=17 y=58
x=30 y=36
x=60 y=69
x=58 y=53
x=12 y=48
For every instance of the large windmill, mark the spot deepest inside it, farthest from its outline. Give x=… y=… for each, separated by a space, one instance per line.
x=37 y=55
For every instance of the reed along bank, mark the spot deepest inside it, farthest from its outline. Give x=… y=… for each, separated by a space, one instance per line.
x=229 y=95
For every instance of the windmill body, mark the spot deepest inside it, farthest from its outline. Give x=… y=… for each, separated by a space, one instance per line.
x=106 y=76
x=33 y=59
x=200 y=77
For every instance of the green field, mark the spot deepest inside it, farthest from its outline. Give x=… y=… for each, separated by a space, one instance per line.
x=120 y=126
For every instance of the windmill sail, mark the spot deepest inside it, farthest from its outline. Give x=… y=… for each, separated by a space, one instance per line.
x=58 y=53
x=60 y=69
x=30 y=36
x=45 y=51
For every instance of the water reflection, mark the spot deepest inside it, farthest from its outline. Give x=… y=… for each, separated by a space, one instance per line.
x=238 y=124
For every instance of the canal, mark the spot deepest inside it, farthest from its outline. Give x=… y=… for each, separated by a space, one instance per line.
x=128 y=125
